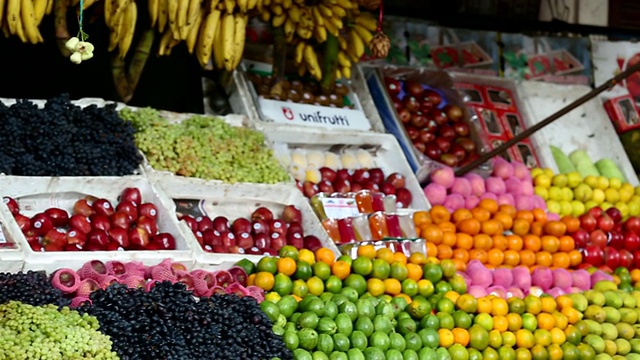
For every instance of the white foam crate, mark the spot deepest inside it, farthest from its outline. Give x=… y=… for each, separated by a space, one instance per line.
x=239 y=200
x=385 y=150
x=103 y=187
x=11 y=259
x=586 y=128
x=243 y=100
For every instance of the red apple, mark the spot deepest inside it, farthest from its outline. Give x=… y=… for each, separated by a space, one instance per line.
x=72 y=247
x=432 y=150
x=148 y=210
x=355 y=187
x=295 y=240
x=605 y=223
x=405 y=116
x=24 y=223
x=130 y=194
x=102 y=207
x=611 y=257
x=440 y=117
x=295 y=227
x=324 y=186
x=204 y=223
x=594 y=255
x=120 y=219
x=596 y=212
x=278 y=240
x=420 y=146
x=53 y=247
x=55 y=237
x=631 y=241
x=147 y=223
x=413 y=133
x=12 y=204
x=443 y=144
x=615 y=214
x=129 y=208
x=598 y=238
x=371 y=186
x=449 y=160
x=199 y=237
x=414 y=88
x=454 y=113
x=626 y=258
x=342 y=186
x=467 y=144
x=447 y=132
x=310 y=189
x=397 y=180
x=616 y=240
x=138 y=238
x=426 y=136
x=588 y=222
x=419 y=120
x=165 y=240
x=403 y=198
x=75 y=237
x=312 y=242
x=245 y=240
x=388 y=189
x=633 y=224
x=262 y=241
x=581 y=238
x=461 y=129
x=82 y=207
x=433 y=97
x=191 y=222
x=393 y=86
x=328 y=174
x=80 y=223
x=58 y=216
x=361 y=176
x=119 y=236
x=277 y=226
x=41 y=223
x=290 y=214
x=228 y=239
x=411 y=103
x=100 y=221
x=241 y=225
x=153 y=245
x=376 y=175
x=344 y=174
x=262 y=213
x=636 y=259
x=221 y=224
x=211 y=237
x=98 y=237
x=457 y=151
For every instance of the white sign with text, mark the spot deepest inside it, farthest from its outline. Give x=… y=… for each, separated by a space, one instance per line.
x=284 y=112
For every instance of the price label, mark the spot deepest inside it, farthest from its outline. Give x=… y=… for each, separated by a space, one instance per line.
x=311 y=115
x=339 y=208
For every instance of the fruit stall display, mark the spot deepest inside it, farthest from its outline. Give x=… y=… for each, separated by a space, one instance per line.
x=423 y=110
x=227 y=223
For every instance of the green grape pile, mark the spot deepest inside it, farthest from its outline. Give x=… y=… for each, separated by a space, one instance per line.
x=205 y=147
x=44 y=332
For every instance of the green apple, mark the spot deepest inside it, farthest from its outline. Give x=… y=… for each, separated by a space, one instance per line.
x=567 y=194
x=555 y=193
x=591 y=204
x=592 y=181
x=548 y=172
x=560 y=180
x=574 y=179
x=542 y=192
x=598 y=196
x=606 y=205
x=626 y=192
x=638 y=190
x=582 y=192
x=542 y=180
x=554 y=206
x=615 y=183
x=535 y=172
x=624 y=208
x=634 y=208
x=566 y=208
x=578 y=208
x=603 y=182
x=612 y=195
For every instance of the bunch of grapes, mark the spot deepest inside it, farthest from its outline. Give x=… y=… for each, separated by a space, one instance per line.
x=44 y=332
x=33 y=288
x=169 y=323
x=63 y=139
x=205 y=147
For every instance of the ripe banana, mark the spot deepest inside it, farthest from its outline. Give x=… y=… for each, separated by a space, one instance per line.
x=87 y=4
x=229 y=5
x=193 y=11
x=154 y=8
x=228 y=29
x=367 y=21
x=181 y=16
x=343 y=60
x=1 y=11
x=278 y=20
x=116 y=31
x=29 y=25
x=109 y=5
x=20 y=30
x=218 y=40
x=118 y=10
x=164 y=47
x=49 y=7
x=299 y=52
x=356 y=45
x=129 y=23
x=294 y=14
x=326 y=11
x=13 y=16
x=320 y=33
x=311 y=59
x=363 y=33
x=163 y=15
x=252 y=4
x=39 y=10
x=243 y=5
x=317 y=16
x=289 y=27
x=208 y=33
x=239 y=39
x=346 y=72
x=345 y=4
x=213 y=4
x=338 y=11
x=192 y=37
x=172 y=16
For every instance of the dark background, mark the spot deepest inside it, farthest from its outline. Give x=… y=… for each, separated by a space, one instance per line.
x=175 y=82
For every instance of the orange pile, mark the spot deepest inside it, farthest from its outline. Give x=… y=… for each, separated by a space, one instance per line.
x=498 y=236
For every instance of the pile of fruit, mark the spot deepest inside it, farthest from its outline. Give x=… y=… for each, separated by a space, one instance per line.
x=95 y=225
x=239 y=155
x=297 y=91
x=263 y=233
x=436 y=130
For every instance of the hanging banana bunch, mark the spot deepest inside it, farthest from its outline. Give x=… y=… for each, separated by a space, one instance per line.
x=22 y=18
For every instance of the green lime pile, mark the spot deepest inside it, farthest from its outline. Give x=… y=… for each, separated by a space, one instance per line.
x=205 y=147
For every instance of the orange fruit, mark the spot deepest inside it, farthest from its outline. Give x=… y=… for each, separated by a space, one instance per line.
x=514 y=242
x=520 y=226
x=500 y=323
x=417 y=258
x=511 y=258
x=385 y=254
x=490 y=205
x=286 y=266
x=527 y=258
x=575 y=257
x=449 y=238
x=525 y=215
x=572 y=223
x=496 y=257
x=421 y=217
x=484 y=305
x=251 y=280
x=461 y=214
x=481 y=214
x=561 y=260
x=446 y=338
x=447 y=226
x=492 y=227
x=461 y=254
x=325 y=255
x=439 y=214
x=461 y=336
x=546 y=321
x=566 y=244
x=537 y=228
x=515 y=321
x=414 y=271
x=635 y=275
x=564 y=301
x=482 y=242
x=464 y=241
x=432 y=233
x=555 y=228
x=499 y=306
x=509 y=210
x=550 y=243
x=432 y=250
x=341 y=269
x=470 y=226
x=400 y=257
x=444 y=252
x=264 y=280
x=543 y=258
x=573 y=315
x=500 y=242
x=505 y=219
x=392 y=286
x=480 y=255
x=548 y=304
x=460 y=265
x=532 y=242
x=406 y=298
x=368 y=251
x=539 y=215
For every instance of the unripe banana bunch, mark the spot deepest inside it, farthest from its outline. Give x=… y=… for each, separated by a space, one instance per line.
x=121 y=17
x=22 y=18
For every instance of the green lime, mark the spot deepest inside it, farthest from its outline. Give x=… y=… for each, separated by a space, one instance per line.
x=365 y=309
x=429 y=337
x=282 y=285
x=413 y=341
x=445 y=305
x=326 y=326
x=333 y=284
x=381 y=269
x=380 y=340
x=446 y=320
x=300 y=288
x=338 y=355
x=410 y=287
x=462 y=319
x=419 y=308
x=432 y=272
x=351 y=293
x=355 y=354
x=362 y=266
x=409 y=354
x=319 y=355
x=308 y=320
x=268 y=264
x=247 y=265
x=344 y=324
x=356 y=282
x=393 y=354
x=443 y=287
x=427 y=353
x=287 y=305
x=290 y=339
x=325 y=343
x=289 y=251
x=307 y=339
x=406 y=325
x=322 y=270
x=301 y=354
x=316 y=306
x=350 y=309
x=359 y=340
x=430 y=321
x=330 y=310
x=399 y=271
x=365 y=325
x=458 y=352
x=303 y=270
x=271 y=309
x=383 y=324
x=397 y=341
x=399 y=304
x=374 y=353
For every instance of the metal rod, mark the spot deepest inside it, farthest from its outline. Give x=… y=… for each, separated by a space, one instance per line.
x=553 y=117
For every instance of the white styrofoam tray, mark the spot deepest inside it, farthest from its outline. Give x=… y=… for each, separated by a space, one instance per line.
x=586 y=128
x=11 y=259
x=239 y=200
x=384 y=148
x=46 y=188
x=243 y=100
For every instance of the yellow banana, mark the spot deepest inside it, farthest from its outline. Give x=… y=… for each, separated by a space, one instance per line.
x=243 y=5
x=193 y=11
x=116 y=31
x=345 y=4
x=192 y=37
x=356 y=43
x=49 y=7
x=320 y=33
x=167 y=37
x=294 y=14
x=332 y=29
x=251 y=4
x=153 y=6
x=228 y=30
x=183 y=13
x=338 y=11
x=303 y=32
x=367 y=21
x=39 y=10
x=130 y=18
x=336 y=22
x=326 y=11
x=109 y=5
x=311 y=59
x=278 y=20
x=338 y=74
x=299 y=52
x=229 y=5
x=29 y=22
x=87 y=4
x=20 y=30
x=277 y=10
x=343 y=43
x=1 y=11
x=218 y=43
x=13 y=15
x=118 y=10
x=265 y=16
x=163 y=15
x=343 y=60
x=289 y=27
x=363 y=33
x=172 y=16
x=213 y=4
x=346 y=72
x=317 y=16
x=287 y=4
x=208 y=32
x=239 y=36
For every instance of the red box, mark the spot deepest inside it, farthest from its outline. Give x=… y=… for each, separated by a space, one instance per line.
x=523 y=151
x=471 y=94
x=512 y=122
x=499 y=98
x=623 y=113
x=490 y=121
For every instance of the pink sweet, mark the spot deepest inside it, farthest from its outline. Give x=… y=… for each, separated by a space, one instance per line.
x=495 y=185
x=477 y=184
x=435 y=193
x=443 y=176
x=461 y=186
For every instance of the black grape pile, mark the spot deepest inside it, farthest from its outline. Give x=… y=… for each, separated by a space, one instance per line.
x=33 y=288
x=168 y=323
x=63 y=139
